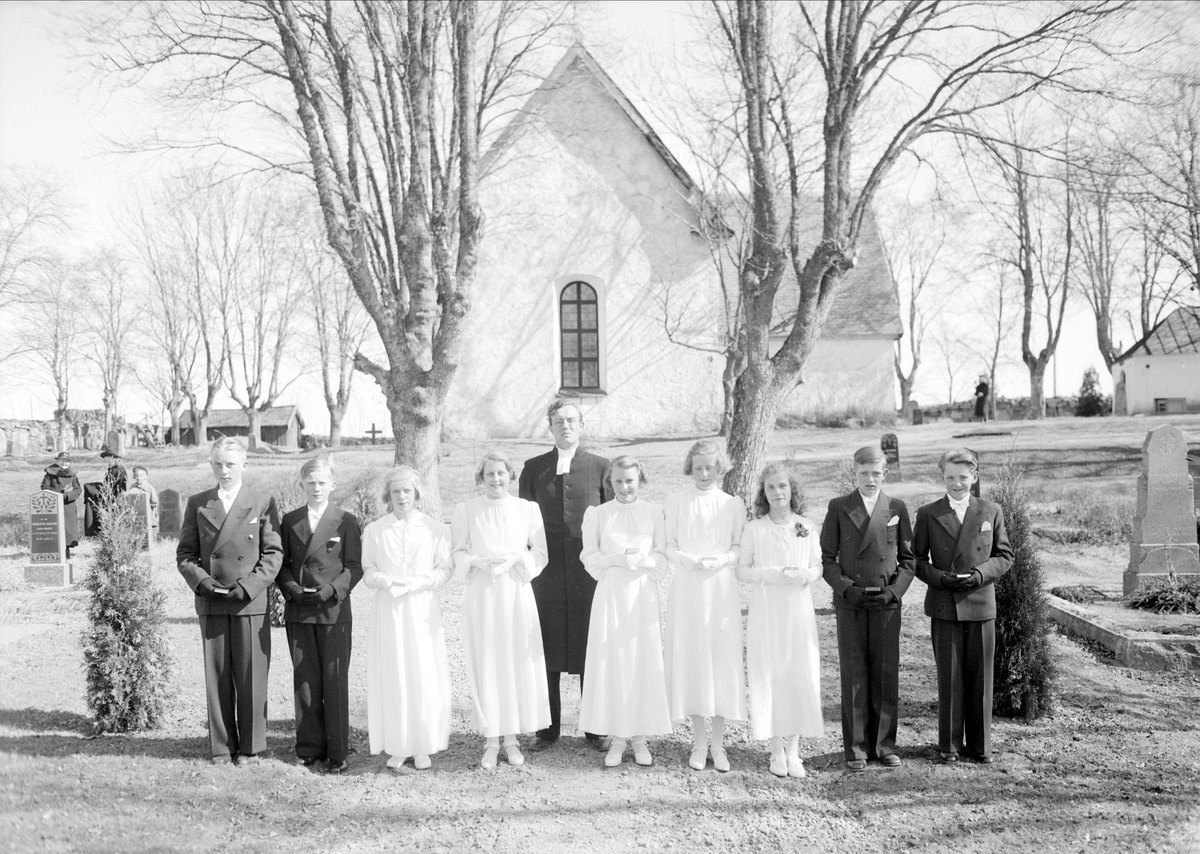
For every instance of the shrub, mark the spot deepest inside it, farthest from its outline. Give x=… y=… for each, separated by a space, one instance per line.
x=1092 y=401
x=125 y=650
x=844 y=480
x=1167 y=597
x=284 y=486
x=1024 y=676
x=14 y=530
x=363 y=499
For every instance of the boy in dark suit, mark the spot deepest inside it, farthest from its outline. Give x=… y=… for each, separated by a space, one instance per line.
x=961 y=549
x=322 y=561
x=866 y=550
x=564 y=482
x=229 y=553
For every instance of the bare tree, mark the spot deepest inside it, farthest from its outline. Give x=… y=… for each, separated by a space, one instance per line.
x=996 y=311
x=391 y=101
x=950 y=362
x=341 y=326
x=957 y=60
x=111 y=311
x=50 y=328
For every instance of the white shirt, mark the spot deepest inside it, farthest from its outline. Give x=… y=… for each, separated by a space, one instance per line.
x=959 y=507
x=870 y=502
x=564 y=459
x=227 y=498
x=314 y=515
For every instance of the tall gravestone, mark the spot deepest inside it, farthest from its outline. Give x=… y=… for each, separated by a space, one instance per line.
x=18 y=443
x=140 y=504
x=48 y=564
x=115 y=442
x=891 y=451
x=1164 y=526
x=170 y=512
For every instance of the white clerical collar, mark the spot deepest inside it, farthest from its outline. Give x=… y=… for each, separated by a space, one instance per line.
x=565 y=455
x=227 y=498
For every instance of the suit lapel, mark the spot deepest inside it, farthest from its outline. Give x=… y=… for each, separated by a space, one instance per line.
x=326 y=528
x=947 y=518
x=970 y=526
x=237 y=515
x=857 y=511
x=300 y=529
x=878 y=522
x=213 y=511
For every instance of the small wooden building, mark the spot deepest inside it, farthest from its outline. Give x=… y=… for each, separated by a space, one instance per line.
x=281 y=426
x=1160 y=374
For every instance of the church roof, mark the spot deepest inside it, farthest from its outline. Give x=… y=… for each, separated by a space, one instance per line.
x=1178 y=332
x=276 y=416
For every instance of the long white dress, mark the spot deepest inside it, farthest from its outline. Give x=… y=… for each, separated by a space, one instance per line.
x=502 y=636
x=408 y=676
x=625 y=691
x=703 y=645
x=781 y=632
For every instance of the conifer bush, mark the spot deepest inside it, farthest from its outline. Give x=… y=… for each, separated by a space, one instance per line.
x=1025 y=673
x=284 y=486
x=125 y=649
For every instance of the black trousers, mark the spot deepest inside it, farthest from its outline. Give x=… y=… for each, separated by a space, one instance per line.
x=869 y=663
x=321 y=685
x=964 y=654
x=237 y=655
x=553 y=680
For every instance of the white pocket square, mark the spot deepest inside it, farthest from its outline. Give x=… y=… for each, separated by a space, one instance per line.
x=335 y=539
x=895 y=520
x=253 y=521
x=986 y=526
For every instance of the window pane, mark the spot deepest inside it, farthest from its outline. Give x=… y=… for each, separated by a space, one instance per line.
x=570 y=374
x=587 y=313
x=571 y=292
x=570 y=345
x=570 y=317
x=591 y=374
x=586 y=292
x=591 y=345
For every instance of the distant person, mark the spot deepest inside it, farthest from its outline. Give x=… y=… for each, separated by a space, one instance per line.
x=115 y=479
x=564 y=482
x=961 y=548
x=229 y=553
x=866 y=551
x=703 y=638
x=322 y=562
x=981 y=398
x=61 y=478
x=141 y=484
x=406 y=557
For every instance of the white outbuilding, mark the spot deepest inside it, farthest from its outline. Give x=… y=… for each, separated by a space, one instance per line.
x=1161 y=373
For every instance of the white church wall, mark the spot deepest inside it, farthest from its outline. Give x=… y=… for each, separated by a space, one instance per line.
x=1149 y=378
x=845 y=377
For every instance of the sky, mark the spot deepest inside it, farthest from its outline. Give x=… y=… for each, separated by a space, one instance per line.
x=52 y=117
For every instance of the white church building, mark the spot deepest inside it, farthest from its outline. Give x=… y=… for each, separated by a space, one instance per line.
x=592 y=226
x=1161 y=373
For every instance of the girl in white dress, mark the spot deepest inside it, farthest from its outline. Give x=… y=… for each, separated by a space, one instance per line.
x=703 y=648
x=625 y=692
x=499 y=547
x=406 y=556
x=781 y=558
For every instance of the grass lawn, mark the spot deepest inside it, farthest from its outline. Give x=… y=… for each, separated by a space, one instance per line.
x=1117 y=768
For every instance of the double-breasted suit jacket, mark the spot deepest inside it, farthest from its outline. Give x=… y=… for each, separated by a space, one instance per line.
x=331 y=554
x=319 y=633
x=962 y=625
x=863 y=551
x=564 y=590
x=238 y=549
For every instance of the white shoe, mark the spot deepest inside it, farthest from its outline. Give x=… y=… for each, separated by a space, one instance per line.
x=720 y=760
x=795 y=767
x=395 y=762
x=641 y=753
x=779 y=765
x=699 y=758
x=422 y=762
x=488 y=762
x=616 y=753
x=512 y=752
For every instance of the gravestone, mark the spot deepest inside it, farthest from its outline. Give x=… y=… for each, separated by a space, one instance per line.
x=115 y=442
x=140 y=502
x=918 y=417
x=170 y=512
x=18 y=443
x=1164 y=525
x=3 y=443
x=891 y=451
x=48 y=564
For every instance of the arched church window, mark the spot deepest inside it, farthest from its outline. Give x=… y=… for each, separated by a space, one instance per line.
x=579 y=322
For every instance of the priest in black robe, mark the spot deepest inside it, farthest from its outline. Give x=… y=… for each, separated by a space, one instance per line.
x=564 y=482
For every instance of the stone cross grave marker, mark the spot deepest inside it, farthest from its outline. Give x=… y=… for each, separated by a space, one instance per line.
x=891 y=450
x=48 y=564
x=373 y=432
x=1164 y=524
x=140 y=502
x=170 y=512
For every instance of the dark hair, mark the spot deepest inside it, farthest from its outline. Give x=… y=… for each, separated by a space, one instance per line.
x=870 y=454
x=625 y=461
x=761 y=505
x=960 y=455
x=557 y=404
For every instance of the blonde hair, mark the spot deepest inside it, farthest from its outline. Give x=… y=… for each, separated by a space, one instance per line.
x=227 y=443
x=493 y=455
x=316 y=464
x=870 y=454
x=625 y=461
x=706 y=446
x=398 y=475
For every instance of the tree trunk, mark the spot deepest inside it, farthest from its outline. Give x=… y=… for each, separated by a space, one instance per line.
x=415 y=408
x=254 y=420
x=200 y=420
x=1037 y=394
x=336 y=414
x=728 y=383
x=758 y=403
